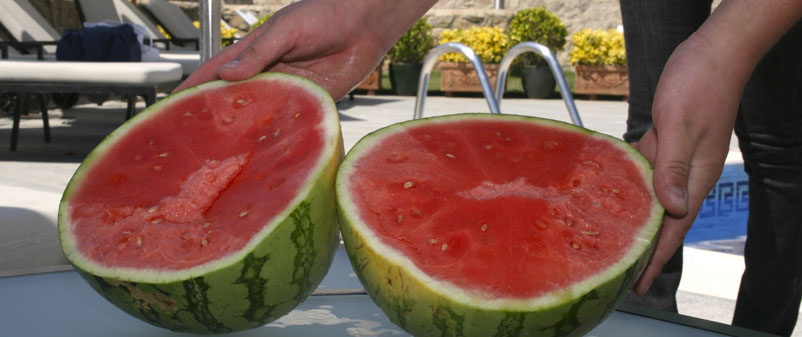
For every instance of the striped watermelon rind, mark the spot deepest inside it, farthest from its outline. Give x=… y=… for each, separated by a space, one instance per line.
x=425 y=306
x=269 y=277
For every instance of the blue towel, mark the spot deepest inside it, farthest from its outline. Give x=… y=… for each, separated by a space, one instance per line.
x=100 y=44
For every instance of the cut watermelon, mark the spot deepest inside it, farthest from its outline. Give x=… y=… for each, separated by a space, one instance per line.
x=496 y=225
x=212 y=210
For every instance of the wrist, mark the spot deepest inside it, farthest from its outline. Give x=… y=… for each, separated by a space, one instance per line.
x=740 y=32
x=389 y=19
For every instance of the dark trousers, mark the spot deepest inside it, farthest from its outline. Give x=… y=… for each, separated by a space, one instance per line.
x=769 y=130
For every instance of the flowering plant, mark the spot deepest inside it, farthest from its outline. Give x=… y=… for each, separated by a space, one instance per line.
x=537 y=24
x=598 y=47
x=225 y=32
x=413 y=45
x=260 y=22
x=489 y=43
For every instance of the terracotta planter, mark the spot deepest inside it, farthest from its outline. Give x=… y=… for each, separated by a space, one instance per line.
x=372 y=83
x=461 y=77
x=602 y=80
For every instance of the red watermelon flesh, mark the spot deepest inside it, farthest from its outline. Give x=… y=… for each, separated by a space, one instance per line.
x=511 y=209
x=178 y=190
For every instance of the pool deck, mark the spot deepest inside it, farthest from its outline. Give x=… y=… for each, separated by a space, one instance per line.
x=36 y=174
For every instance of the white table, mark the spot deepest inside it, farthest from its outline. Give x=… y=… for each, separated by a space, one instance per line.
x=62 y=304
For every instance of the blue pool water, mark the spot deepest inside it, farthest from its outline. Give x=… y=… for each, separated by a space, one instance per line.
x=724 y=212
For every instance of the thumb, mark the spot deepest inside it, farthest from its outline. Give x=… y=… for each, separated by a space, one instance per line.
x=209 y=70
x=672 y=166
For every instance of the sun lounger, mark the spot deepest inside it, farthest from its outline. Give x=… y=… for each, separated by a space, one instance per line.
x=130 y=79
x=125 y=11
x=172 y=19
x=23 y=26
x=30 y=32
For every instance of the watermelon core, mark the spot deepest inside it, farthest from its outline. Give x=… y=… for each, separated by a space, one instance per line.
x=222 y=191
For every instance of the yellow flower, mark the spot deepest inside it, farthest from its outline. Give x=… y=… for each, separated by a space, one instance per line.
x=489 y=43
x=598 y=47
x=225 y=33
x=164 y=32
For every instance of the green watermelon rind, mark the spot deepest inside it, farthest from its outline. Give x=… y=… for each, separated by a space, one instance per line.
x=266 y=279
x=425 y=306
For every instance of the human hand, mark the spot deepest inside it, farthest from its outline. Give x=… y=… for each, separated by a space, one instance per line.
x=694 y=110
x=694 y=113
x=334 y=43
x=319 y=40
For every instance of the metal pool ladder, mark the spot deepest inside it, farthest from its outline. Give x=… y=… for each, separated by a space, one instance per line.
x=493 y=98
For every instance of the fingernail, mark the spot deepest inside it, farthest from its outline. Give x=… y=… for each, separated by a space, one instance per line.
x=679 y=196
x=231 y=64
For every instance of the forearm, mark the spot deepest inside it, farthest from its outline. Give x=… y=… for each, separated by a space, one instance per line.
x=740 y=32
x=695 y=106
x=717 y=61
x=335 y=43
x=389 y=19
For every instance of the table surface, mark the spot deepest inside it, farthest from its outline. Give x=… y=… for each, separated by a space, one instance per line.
x=62 y=304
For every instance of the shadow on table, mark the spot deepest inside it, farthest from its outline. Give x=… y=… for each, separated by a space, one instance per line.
x=28 y=243
x=74 y=133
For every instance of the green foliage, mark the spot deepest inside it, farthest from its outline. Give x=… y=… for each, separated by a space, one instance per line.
x=413 y=45
x=260 y=21
x=598 y=47
x=489 y=43
x=537 y=24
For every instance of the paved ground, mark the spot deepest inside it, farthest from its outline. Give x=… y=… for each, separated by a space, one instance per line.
x=35 y=176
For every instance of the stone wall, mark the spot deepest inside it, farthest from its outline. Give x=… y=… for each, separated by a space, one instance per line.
x=449 y=14
x=446 y=14
x=575 y=14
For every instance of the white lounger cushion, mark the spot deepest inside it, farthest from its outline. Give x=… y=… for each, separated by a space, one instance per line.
x=134 y=73
x=189 y=60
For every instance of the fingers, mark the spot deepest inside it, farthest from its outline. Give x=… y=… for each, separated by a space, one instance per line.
x=671 y=236
x=209 y=69
x=671 y=157
x=256 y=56
x=671 y=174
x=239 y=61
x=265 y=46
x=684 y=172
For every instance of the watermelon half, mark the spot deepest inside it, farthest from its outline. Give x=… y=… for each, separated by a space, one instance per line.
x=496 y=225
x=212 y=210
